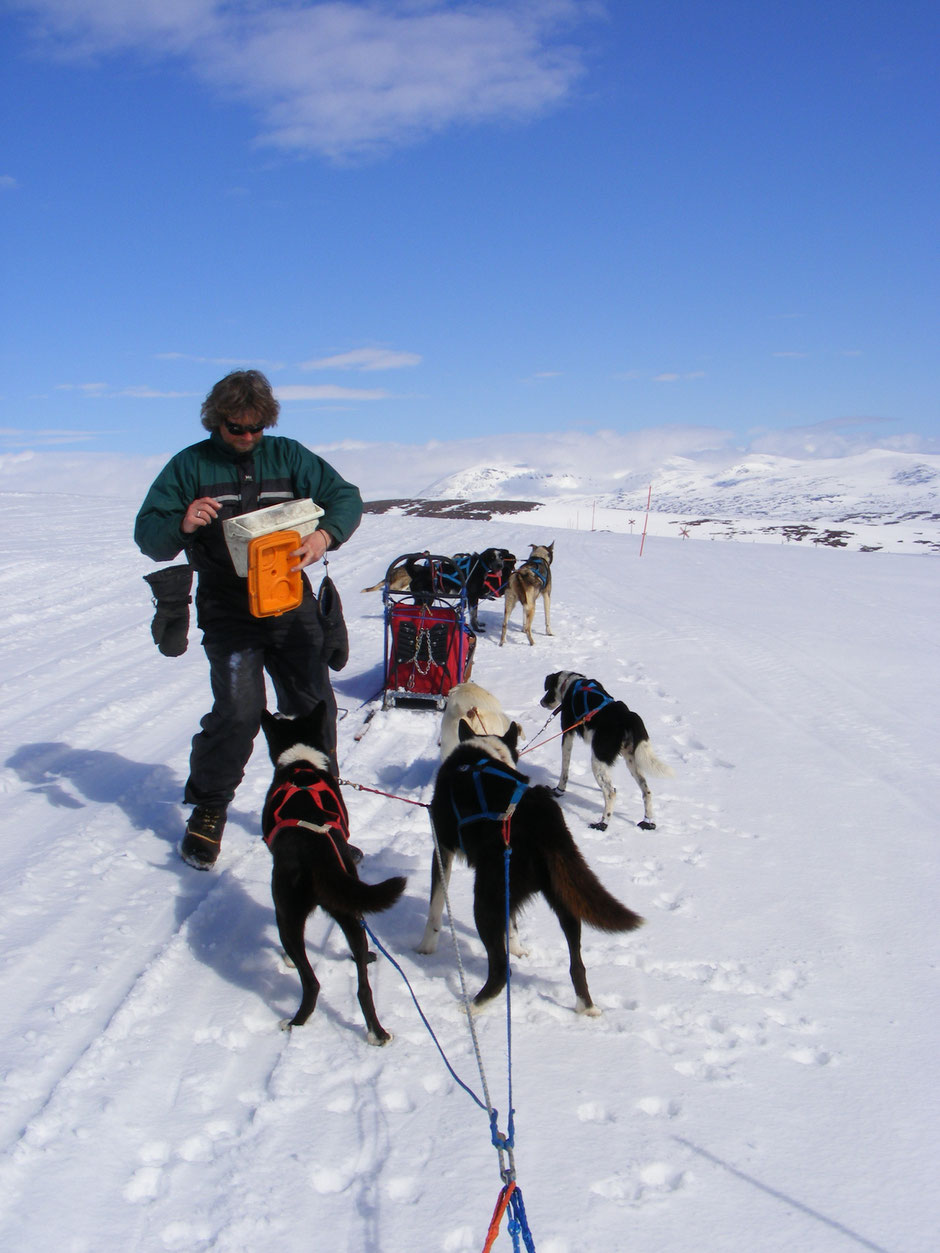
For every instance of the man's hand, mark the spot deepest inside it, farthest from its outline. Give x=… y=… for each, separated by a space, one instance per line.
x=311 y=549
x=200 y=513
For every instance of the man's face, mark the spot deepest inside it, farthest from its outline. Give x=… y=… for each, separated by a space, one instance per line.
x=242 y=433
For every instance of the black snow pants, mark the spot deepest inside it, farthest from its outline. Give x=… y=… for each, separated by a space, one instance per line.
x=290 y=649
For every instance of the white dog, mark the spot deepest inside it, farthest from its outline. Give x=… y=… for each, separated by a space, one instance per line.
x=478 y=708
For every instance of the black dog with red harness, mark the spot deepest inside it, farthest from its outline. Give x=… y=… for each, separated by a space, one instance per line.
x=306 y=826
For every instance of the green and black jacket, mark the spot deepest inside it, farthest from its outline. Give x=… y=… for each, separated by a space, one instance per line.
x=278 y=469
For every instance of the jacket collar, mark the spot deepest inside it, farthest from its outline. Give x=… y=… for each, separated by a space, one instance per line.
x=231 y=454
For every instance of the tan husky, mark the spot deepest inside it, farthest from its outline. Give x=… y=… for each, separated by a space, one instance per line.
x=532 y=580
x=478 y=707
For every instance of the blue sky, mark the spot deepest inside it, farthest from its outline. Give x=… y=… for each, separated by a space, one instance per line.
x=430 y=220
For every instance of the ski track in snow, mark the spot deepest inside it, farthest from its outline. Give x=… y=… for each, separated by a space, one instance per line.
x=149 y=1100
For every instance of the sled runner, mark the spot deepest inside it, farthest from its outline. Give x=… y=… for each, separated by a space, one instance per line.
x=428 y=643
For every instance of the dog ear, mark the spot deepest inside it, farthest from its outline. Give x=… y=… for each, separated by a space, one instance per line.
x=316 y=720
x=551 y=551
x=273 y=728
x=465 y=731
x=511 y=738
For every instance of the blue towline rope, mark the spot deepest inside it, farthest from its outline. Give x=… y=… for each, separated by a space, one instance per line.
x=517 y=1223
x=509 y=1141
x=385 y=953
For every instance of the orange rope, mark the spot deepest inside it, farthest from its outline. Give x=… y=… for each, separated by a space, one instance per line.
x=498 y=1213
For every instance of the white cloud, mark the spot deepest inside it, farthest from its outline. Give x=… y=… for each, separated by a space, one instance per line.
x=364 y=359
x=152 y=393
x=328 y=392
x=138 y=392
x=347 y=79
x=233 y=363
x=838 y=437
x=8 y=182
x=12 y=437
x=796 y=355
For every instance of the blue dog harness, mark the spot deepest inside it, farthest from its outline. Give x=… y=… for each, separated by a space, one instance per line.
x=539 y=567
x=587 y=698
x=484 y=775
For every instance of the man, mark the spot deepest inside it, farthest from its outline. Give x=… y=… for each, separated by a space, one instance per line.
x=236 y=470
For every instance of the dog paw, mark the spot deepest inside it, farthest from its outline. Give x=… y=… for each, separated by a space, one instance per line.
x=286 y=1024
x=589 y=1011
x=599 y=826
x=379 y=1040
x=558 y=791
x=646 y=826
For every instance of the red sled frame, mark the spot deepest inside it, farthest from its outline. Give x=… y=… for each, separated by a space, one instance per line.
x=428 y=643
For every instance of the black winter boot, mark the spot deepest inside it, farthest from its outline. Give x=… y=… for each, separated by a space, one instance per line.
x=170 y=625
x=200 y=846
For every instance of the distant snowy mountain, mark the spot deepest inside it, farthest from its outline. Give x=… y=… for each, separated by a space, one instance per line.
x=876 y=500
x=876 y=484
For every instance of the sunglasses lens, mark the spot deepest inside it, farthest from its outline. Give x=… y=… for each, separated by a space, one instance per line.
x=234 y=428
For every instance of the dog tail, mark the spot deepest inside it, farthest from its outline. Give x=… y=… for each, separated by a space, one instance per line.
x=345 y=893
x=648 y=763
x=571 y=878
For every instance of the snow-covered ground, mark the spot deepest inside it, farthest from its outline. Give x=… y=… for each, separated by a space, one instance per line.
x=763 y=1076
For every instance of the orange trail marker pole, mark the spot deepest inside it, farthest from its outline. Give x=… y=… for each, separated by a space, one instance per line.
x=646 y=519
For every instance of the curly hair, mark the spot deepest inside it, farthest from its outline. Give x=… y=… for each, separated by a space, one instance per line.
x=241 y=394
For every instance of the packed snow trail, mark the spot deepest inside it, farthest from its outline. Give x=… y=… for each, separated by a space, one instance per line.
x=760 y=1075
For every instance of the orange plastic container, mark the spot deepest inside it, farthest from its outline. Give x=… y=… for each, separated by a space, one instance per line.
x=272 y=588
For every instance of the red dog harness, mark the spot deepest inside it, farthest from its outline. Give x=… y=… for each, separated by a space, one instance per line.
x=327 y=800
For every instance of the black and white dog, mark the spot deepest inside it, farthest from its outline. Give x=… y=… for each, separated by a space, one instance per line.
x=475 y=787
x=477 y=572
x=611 y=730
x=306 y=826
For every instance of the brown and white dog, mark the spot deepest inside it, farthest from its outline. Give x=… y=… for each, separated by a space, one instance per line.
x=611 y=730
x=532 y=580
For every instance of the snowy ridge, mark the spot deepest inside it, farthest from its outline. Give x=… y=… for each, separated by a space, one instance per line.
x=761 y=1065
x=877 y=500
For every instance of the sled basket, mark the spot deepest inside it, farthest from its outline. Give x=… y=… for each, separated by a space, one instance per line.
x=428 y=644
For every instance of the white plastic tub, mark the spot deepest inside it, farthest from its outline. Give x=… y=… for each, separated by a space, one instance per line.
x=302 y=516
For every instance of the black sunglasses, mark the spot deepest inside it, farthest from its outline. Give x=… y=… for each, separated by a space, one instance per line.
x=234 y=428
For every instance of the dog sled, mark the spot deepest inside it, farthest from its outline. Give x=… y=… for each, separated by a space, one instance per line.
x=428 y=641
